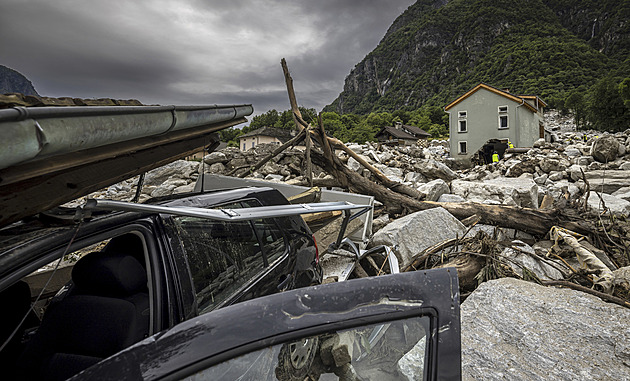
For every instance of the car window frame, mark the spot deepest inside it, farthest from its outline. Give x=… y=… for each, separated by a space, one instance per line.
x=167 y=221
x=328 y=327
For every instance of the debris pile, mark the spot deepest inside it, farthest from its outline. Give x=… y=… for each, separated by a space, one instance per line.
x=553 y=216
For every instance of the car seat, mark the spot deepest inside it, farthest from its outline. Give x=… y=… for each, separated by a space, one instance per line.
x=16 y=317
x=107 y=311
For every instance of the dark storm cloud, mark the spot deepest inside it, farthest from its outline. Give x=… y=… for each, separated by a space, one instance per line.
x=194 y=51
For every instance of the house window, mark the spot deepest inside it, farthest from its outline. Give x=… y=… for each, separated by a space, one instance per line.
x=503 y=109
x=463 y=148
x=253 y=144
x=462 y=126
x=244 y=146
x=462 y=114
x=503 y=121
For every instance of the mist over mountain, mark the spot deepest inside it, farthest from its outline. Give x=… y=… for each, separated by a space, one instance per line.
x=438 y=49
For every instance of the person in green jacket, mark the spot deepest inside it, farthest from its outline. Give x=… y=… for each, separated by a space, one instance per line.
x=510 y=145
x=495 y=157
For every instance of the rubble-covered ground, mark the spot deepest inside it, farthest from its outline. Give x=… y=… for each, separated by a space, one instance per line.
x=511 y=328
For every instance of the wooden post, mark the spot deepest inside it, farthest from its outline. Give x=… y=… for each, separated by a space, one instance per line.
x=297 y=114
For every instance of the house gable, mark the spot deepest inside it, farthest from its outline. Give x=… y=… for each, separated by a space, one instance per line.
x=494 y=90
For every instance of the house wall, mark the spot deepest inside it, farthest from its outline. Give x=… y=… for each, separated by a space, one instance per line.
x=261 y=139
x=482 y=119
x=528 y=131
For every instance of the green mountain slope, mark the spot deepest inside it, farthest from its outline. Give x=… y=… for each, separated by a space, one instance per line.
x=437 y=50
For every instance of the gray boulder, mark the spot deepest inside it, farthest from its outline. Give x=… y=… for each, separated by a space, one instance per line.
x=615 y=205
x=556 y=164
x=215 y=157
x=355 y=165
x=524 y=191
x=179 y=169
x=433 y=169
x=524 y=256
x=415 y=232
x=584 y=160
x=415 y=178
x=605 y=149
x=623 y=193
x=433 y=190
x=216 y=168
x=516 y=330
x=451 y=198
x=520 y=167
x=608 y=181
x=575 y=172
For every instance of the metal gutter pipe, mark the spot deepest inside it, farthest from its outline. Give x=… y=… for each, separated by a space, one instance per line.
x=35 y=133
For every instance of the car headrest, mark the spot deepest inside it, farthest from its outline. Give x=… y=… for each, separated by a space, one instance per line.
x=109 y=274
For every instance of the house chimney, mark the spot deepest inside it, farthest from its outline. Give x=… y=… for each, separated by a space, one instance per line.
x=506 y=90
x=398 y=125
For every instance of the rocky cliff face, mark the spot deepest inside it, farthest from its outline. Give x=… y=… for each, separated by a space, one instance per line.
x=12 y=81
x=437 y=50
x=603 y=24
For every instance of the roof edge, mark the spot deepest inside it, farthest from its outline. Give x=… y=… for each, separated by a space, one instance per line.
x=494 y=90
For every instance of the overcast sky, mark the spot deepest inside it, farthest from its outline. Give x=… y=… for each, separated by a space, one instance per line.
x=192 y=51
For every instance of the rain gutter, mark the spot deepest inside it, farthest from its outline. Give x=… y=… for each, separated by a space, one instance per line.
x=35 y=133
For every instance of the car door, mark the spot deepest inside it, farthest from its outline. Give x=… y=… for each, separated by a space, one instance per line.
x=401 y=326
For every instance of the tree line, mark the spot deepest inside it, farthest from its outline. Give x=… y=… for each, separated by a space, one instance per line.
x=348 y=127
x=604 y=107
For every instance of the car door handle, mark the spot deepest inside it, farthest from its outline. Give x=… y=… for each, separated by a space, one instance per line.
x=284 y=282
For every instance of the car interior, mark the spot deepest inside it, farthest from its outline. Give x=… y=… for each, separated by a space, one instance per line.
x=101 y=310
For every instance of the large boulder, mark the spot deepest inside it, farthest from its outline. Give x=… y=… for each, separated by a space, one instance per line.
x=355 y=165
x=516 y=330
x=608 y=181
x=216 y=157
x=524 y=257
x=520 y=167
x=433 y=190
x=433 y=169
x=415 y=232
x=179 y=169
x=555 y=164
x=523 y=191
x=605 y=149
x=615 y=205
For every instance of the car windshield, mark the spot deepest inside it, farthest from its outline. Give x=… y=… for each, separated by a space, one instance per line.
x=223 y=256
x=396 y=350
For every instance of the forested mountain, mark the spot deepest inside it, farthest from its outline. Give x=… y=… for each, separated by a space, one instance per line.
x=12 y=81
x=438 y=49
